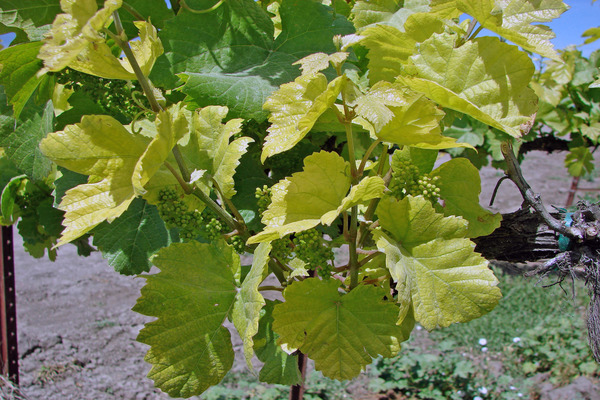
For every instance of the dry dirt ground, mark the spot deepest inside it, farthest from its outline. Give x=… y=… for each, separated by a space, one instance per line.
x=77 y=331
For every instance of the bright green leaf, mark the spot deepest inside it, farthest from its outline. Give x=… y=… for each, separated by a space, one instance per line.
x=579 y=161
x=131 y=239
x=97 y=58
x=29 y=20
x=513 y=20
x=19 y=66
x=279 y=367
x=460 y=186
x=22 y=145
x=423 y=159
x=342 y=333
x=413 y=221
x=295 y=108
x=483 y=78
x=249 y=301
x=191 y=296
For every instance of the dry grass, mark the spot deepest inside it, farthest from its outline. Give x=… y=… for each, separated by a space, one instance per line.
x=9 y=391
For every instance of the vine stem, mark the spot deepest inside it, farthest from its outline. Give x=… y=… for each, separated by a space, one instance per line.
x=123 y=43
x=365 y=158
x=513 y=171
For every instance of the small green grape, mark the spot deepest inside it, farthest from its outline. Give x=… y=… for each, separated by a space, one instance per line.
x=238 y=244
x=312 y=249
x=263 y=198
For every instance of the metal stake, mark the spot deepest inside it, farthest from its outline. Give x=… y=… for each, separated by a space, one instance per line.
x=9 y=362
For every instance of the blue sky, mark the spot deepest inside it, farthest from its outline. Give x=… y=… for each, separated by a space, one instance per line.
x=568 y=28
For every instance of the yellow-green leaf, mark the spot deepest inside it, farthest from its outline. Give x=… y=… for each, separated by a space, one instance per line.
x=249 y=301
x=171 y=126
x=417 y=124
x=97 y=58
x=390 y=48
x=513 y=20
x=101 y=147
x=316 y=195
x=295 y=108
x=319 y=61
x=484 y=78
x=73 y=31
x=209 y=147
x=374 y=105
x=437 y=271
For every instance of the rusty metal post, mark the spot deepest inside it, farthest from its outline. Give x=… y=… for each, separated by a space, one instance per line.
x=9 y=361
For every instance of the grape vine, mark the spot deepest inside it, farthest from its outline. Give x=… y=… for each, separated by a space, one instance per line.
x=241 y=128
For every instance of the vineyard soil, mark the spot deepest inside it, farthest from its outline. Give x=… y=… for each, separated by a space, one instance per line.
x=77 y=331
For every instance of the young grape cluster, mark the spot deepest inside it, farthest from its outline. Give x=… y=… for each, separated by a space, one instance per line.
x=281 y=248
x=310 y=248
x=407 y=180
x=175 y=214
x=114 y=96
x=238 y=243
x=263 y=198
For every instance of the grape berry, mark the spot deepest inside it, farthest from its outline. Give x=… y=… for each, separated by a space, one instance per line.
x=310 y=248
x=407 y=180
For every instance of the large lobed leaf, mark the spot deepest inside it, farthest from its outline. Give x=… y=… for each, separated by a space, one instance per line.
x=295 y=107
x=483 y=78
x=191 y=296
x=513 y=20
x=342 y=333
x=29 y=20
x=230 y=56
x=316 y=195
x=437 y=271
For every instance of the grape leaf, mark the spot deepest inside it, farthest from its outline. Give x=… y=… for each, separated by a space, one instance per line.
x=74 y=31
x=295 y=108
x=171 y=126
x=21 y=146
x=131 y=239
x=249 y=301
x=386 y=12
x=460 y=186
x=155 y=11
x=513 y=20
x=318 y=62
x=191 y=296
x=374 y=105
x=18 y=73
x=417 y=123
x=436 y=270
x=210 y=149
x=390 y=48
x=279 y=367
x=101 y=147
x=579 y=161
x=316 y=195
x=483 y=78
x=29 y=20
x=230 y=57
x=423 y=159
x=340 y=332
x=98 y=59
